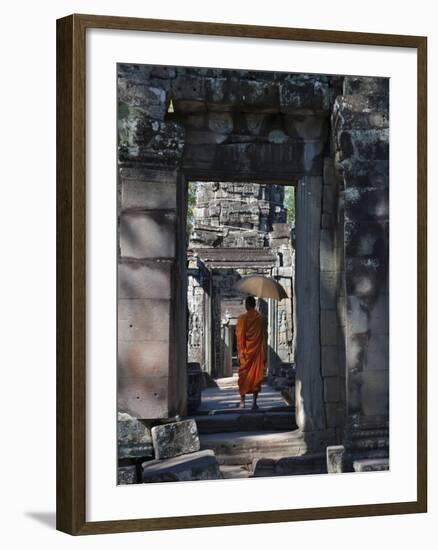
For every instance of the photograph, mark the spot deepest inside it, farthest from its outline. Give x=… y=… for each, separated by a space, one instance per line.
x=252 y=274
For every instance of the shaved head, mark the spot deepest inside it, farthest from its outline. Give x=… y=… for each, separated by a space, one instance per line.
x=250 y=302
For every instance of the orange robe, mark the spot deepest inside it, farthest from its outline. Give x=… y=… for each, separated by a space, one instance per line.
x=251 y=347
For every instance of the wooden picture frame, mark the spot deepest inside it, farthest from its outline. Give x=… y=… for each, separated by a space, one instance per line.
x=71 y=271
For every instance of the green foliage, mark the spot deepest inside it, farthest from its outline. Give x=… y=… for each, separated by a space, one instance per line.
x=289 y=203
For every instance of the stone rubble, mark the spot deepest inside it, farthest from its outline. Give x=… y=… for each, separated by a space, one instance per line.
x=200 y=465
x=175 y=438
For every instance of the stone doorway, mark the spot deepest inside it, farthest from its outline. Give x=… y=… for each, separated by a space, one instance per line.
x=327 y=136
x=234 y=230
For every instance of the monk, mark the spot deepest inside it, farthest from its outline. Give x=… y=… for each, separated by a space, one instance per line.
x=251 y=348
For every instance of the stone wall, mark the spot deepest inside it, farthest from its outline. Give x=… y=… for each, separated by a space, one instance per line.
x=281 y=335
x=201 y=124
x=151 y=378
x=183 y=124
x=361 y=134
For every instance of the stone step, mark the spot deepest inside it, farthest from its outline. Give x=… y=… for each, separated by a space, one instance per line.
x=242 y=448
x=247 y=410
x=292 y=465
x=244 y=422
x=371 y=465
x=234 y=471
x=229 y=382
x=193 y=466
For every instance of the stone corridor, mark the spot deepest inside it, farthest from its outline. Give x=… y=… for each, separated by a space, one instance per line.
x=328 y=136
x=239 y=437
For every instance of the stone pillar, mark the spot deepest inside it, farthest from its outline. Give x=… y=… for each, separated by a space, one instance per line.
x=309 y=387
x=228 y=350
x=272 y=358
x=152 y=380
x=360 y=123
x=331 y=300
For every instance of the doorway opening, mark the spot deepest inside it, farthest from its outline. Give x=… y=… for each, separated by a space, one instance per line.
x=236 y=229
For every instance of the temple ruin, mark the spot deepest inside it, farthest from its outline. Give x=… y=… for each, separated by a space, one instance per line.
x=238 y=229
x=243 y=136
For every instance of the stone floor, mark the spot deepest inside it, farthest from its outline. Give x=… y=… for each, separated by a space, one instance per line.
x=239 y=437
x=225 y=397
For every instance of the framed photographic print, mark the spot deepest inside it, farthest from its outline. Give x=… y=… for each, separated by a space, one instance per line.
x=241 y=229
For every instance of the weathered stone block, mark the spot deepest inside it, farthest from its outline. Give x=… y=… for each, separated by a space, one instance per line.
x=353 y=113
x=341 y=310
x=366 y=173
x=371 y=465
x=147 y=235
x=327 y=221
x=309 y=335
x=278 y=161
x=144 y=280
x=375 y=392
x=281 y=231
x=358 y=104
x=304 y=94
x=329 y=173
x=328 y=327
x=139 y=73
x=204 y=137
x=150 y=99
x=189 y=93
x=256 y=124
x=329 y=199
x=137 y=359
x=367 y=239
x=327 y=256
x=356 y=346
x=144 y=397
x=127 y=475
x=327 y=289
x=145 y=139
x=366 y=85
x=358 y=315
x=365 y=204
x=366 y=277
x=133 y=437
x=364 y=144
x=250 y=95
x=334 y=413
x=144 y=320
x=164 y=72
x=379 y=315
x=335 y=458
x=329 y=361
x=301 y=465
x=377 y=356
x=220 y=123
x=143 y=195
x=263 y=467
x=309 y=127
x=175 y=438
x=201 y=465
x=194 y=386
x=331 y=389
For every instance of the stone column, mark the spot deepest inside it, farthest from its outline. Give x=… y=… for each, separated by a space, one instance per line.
x=228 y=350
x=151 y=267
x=360 y=123
x=309 y=387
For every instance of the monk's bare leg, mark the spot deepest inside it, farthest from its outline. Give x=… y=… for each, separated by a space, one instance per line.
x=242 y=402
x=254 y=401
